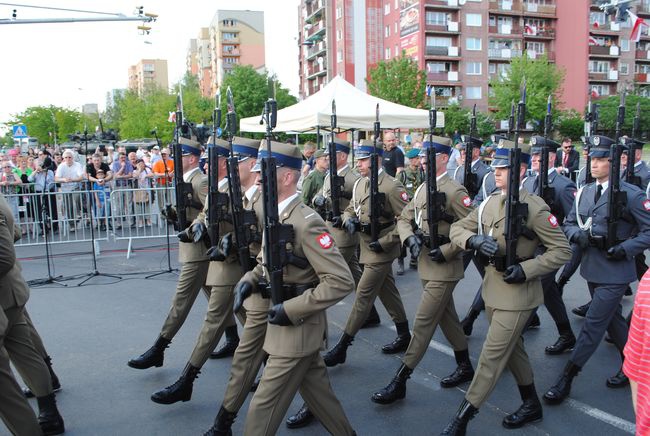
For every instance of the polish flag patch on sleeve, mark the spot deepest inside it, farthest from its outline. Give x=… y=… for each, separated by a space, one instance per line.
x=467 y=202
x=646 y=204
x=404 y=196
x=553 y=220
x=325 y=240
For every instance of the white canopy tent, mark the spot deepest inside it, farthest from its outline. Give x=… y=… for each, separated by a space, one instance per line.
x=354 y=110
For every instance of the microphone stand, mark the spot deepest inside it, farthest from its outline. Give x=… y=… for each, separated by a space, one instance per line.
x=95 y=272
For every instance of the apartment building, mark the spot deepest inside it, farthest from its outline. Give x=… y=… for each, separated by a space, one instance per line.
x=148 y=73
x=198 y=60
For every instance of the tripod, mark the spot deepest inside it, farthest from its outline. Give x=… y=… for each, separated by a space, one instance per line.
x=95 y=272
x=58 y=280
x=169 y=269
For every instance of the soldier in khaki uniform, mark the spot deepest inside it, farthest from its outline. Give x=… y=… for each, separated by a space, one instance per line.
x=298 y=326
x=511 y=293
x=222 y=276
x=193 y=258
x=440 y=269
x=15 y=338
x=376 y=256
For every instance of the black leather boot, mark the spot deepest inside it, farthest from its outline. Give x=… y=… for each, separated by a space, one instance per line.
x=581 y=310
x=229 y=347
x=534 y=322
x=396 y=389
x=468 y=322
x=179 y=391
x=56 y=385
x=464 y=371
x=562 y=388
x=302 y=418
x=565 y=342
x=402 y=340
x=154 y=356
x=222 y=424
x=49 y=417
x=620 y=380
x=372 y=320
x=458 y=425
x=530 y=411
x=337 y=354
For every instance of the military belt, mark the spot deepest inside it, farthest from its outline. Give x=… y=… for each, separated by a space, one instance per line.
x=367 y=227
x=442 y=240
x=498 y=262
x=291 y=290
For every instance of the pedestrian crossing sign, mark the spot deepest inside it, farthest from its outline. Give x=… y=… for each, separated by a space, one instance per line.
x=20 y=131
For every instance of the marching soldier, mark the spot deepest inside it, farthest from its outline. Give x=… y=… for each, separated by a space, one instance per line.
x=222 y=276
x=194 y=261
x=641 y=169
x=440 y=269
x=607 y=269
x=313 y=183
x=564 y=191
x=412 y=177
x=376 y=256
x=511 y=292
x=297 y=326
x=478 y=166
x=16 y=342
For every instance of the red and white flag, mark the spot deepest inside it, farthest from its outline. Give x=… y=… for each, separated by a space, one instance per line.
x=172 y=117
x=594 y=93
x=637 y=26
x=530 y=30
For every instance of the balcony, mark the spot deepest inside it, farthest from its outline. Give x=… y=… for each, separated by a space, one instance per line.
x=643 y=8
x=534 y=8
x=604 y=51
x=316 y=70
x=441 y=51
x=604 y=29
x=450 y=28
x=534 y=33
x=505 y=30
x=234 y=52
x=503 y=53
x=505 y=7
x=317 y=49
x=642 y=55
x=442 y=4
x=642 y=78
x=610 y=76
x=314 y=9
x=314 y=30
x=443 y=76
x=230 y=40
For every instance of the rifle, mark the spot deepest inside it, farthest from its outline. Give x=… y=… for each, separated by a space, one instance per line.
x=631 y=152
x=516 y=211
x=546 y=192
x=616 y=199
x=277 y=236
x=336 y=181
x=469 y=178
x=217 y=200
x=435 y=200
x=593 y=128
x=242 y=219
x=183 y=191
x=377 y=198
x=511 y=119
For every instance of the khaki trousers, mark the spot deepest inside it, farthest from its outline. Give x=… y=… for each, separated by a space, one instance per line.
x=503 y=347
x=282 y=378
x=436 y=307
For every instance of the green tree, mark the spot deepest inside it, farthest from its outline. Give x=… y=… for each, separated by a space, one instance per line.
x=542 y=79
x=458 y=119
x=570 y=124
x=49 y=124
x=608 y=110
x=399 y=80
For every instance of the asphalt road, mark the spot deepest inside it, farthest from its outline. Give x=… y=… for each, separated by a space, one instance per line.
x=91 y=331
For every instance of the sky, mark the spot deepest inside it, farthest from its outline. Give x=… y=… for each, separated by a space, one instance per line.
x=70 y=64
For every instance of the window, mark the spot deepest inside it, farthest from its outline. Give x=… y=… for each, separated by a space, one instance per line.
x=396 y=30
x=624 y=68
x=598 y=66
x=339 y=34
x=473 y=68
x=437 y=67
x=339 y=12
x=396 y=4
x=339 y=56
x=597 y=17
x=386 y=31
x=473 y=20
x=492 y=68
x=600 y=90
x=228 y=35
x=387 y=53
x=473 y=43
x=473 y=93
x=148 y=67
x=537 y=47
x=434 y=41
x=387 y=9
x=625 y=44
x=397 y=52
x=436 y=18
x=231 y=60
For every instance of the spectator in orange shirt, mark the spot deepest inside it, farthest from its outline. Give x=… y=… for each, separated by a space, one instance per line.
x=163 y=195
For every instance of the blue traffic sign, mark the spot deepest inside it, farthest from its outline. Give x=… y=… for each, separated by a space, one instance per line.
x=20 y=131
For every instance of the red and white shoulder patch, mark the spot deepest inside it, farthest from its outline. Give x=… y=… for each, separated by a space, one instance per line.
x=404 y=196
x=325 y=240
x=552 y=220
x=646 y=204
x=467 y=202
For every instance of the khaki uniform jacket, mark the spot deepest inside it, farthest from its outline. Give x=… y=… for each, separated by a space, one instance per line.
x=189 y=251
x=343 y=239
x=517 y=296
x=396 y=200
x=14 y=292
x=458 y=205
x=326 y=267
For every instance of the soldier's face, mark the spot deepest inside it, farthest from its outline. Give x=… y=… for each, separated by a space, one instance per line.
x=501 y=176
x=415 y=162
x=363 y=165
x=536 y=159
x=600 y=167
x=623 y=160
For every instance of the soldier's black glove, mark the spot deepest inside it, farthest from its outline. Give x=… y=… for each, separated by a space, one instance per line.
x=437 y=256
x=581 y=238
x=278 y=316
x=199 y=231
x=337 y=222
x=319 y=201
x=514 y=274
x=243 y=290
x=414 y=245
x=226 y=244
x=169 y=213
x=351 y=225
x=486 y=245
x=617 y=252
x=376 y=247
x=185 y=236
